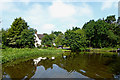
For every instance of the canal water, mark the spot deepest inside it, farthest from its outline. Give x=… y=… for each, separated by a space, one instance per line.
x=70 y=65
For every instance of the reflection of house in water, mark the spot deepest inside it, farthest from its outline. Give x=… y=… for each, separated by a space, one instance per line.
x=38 y=60
x=45 y=62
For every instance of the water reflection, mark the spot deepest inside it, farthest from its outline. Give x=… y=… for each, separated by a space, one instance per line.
x=22 y=70
x=38 y=60
x=81 y=65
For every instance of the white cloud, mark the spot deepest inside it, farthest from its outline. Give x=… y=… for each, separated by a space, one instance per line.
x=26 y=2
x=46 y=28
x=17 y=1
x=6 y=6
x=35 y=14
x=61 y=10
x=108 y=4
x=6 y=1
x=84 y=10
x=47 y=18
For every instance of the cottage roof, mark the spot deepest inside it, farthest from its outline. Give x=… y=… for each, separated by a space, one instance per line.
x=40 y=36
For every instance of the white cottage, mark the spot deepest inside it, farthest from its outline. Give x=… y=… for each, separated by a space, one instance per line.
x=38 y=38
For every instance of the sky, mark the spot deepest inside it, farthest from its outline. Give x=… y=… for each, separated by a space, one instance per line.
x=47 y=16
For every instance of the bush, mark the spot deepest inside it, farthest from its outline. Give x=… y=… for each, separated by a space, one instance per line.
x=51 y=48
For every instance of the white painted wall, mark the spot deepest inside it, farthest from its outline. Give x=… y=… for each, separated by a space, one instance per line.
x=38 y=40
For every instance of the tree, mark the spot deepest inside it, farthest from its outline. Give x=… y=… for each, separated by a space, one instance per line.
x=17 y=27
x=75 y=39
x=110 y=19
x=101 y=33
x=56 y=32
x=117 y=31
x=58 y=39
x=20 y=34
x=26 y=39
x=89 y=29
x=48 y=40
x=118 y=20
x=75 y=28
x=4 y=36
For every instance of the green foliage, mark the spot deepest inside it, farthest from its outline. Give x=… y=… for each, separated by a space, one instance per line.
x=97 y=34
x=59 y=39
x=51 y=48
x=76 y=39
x=48 y=40
x=44 y=33
x=19 y=35
x=4 y=38
x=102 y=33
x=57 y=33
x=110 y=19
x=17 y=27
x=26 y=39
x=0 y=36
x=118 y=20
x=75 y=28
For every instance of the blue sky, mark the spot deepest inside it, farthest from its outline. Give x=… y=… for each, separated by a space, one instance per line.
x=56 y=15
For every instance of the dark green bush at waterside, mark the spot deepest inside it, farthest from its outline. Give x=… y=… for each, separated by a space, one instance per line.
x=10 y=54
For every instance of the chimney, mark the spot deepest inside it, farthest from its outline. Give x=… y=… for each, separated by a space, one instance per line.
x=36 y=32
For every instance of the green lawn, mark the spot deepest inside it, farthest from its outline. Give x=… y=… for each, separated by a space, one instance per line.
x=11 y=54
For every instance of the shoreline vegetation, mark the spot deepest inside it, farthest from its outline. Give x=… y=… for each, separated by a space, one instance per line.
x=12 y=54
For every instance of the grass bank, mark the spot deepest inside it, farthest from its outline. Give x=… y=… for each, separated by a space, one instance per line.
x=103 y=49
x=11 y=54
x=95 y=50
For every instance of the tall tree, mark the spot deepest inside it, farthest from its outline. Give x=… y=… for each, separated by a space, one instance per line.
x=20 y=35
x=17 y=27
